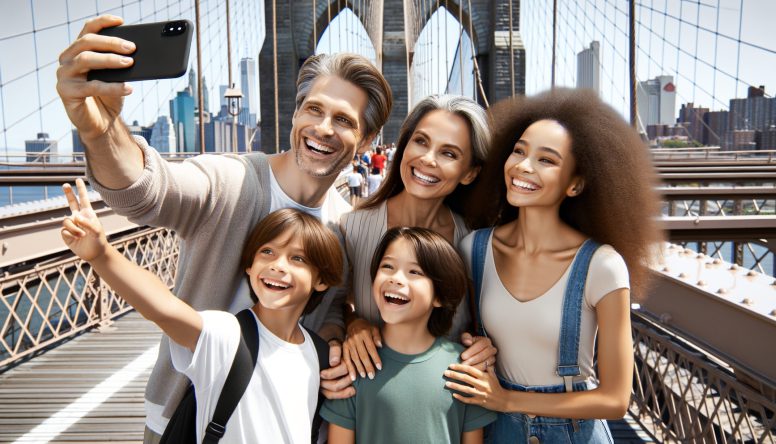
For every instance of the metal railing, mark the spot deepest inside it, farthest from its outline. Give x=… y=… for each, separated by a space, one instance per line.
x=714 y=202
x=681 y=392
x=713 y=153
x=685 y=394
x=56 y=300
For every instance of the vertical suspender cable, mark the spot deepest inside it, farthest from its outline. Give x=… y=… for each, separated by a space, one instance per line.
x=447 y=53
x=229 y=43
x=339 y=26
x=438 y=40
x=275 y=72
x=200 y=100
x=460 y=41
x=477 y=77
x=511 y=52
x=315 y=27
x=632 y=63
x=554 y=40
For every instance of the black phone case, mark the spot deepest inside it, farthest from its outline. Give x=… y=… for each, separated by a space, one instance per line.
x=156 y=56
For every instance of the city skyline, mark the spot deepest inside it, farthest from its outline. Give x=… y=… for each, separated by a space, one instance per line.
x=31 y=106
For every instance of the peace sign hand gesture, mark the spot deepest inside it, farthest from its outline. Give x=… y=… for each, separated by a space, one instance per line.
x=82 y=230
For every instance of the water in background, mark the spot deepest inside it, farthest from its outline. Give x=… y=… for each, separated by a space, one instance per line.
x=28 y=193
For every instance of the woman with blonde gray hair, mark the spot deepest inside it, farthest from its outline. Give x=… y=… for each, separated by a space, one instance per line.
x=441 y=147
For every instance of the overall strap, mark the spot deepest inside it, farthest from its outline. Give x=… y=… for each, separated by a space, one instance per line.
x=479 y=249
x=237 y=380
x=568 y=355
x=322 y=349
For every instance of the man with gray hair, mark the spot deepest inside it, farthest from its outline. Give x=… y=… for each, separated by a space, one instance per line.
x=212 y=202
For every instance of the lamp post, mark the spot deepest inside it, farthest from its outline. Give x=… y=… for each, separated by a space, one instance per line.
x=233 y=97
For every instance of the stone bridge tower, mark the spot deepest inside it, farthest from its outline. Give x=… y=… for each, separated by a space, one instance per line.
x=393 y=26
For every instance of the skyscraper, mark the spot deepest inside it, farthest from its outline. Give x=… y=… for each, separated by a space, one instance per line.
x=78 y=147
x=589 y=67
x=163 y=135
x=250 y=100
x=205 y=96
x=182 y=115
x=193 y=84
x=716 y=129
x=657 y=102
x=692 y=117
x=39 y=149
x=755 y=112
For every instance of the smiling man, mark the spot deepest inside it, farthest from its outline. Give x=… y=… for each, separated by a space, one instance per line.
x=210 y=201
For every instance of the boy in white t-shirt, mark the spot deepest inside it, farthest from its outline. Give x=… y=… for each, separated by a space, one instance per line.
x=290 y=259
x=355 y=180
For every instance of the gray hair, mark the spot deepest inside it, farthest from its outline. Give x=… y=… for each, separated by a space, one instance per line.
x=356 y=70
x=468 y=109
x=479 y=133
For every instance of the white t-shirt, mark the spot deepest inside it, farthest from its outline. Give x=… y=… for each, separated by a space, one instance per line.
x=527 y=333
x=374 y=181
x=355 y=179
x=279 y=403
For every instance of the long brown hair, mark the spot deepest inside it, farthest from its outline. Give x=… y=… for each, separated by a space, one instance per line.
x=617 y=206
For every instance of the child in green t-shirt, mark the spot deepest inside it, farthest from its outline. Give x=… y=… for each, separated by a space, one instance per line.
x=418 y=280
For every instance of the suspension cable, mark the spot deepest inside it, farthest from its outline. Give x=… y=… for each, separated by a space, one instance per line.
x=275 y=73
x=474 y=58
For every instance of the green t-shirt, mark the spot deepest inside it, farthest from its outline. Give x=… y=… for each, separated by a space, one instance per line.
x=408 y=401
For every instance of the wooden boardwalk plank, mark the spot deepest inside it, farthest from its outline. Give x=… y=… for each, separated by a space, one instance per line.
x=38 y=389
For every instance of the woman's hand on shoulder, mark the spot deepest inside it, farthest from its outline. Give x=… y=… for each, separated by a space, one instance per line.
x=477 y=387
x=479 y=352
x=360 y=349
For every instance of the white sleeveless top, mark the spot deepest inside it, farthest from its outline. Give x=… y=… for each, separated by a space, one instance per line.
x=527 y=333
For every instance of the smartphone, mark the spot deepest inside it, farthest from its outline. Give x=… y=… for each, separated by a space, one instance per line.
x=161 y=51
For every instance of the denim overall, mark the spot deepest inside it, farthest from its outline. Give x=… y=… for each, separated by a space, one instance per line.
x=522 y=428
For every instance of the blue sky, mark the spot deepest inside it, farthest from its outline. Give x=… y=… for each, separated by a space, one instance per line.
x=667 y=31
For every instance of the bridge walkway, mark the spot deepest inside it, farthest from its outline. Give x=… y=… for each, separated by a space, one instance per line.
x=90 y=390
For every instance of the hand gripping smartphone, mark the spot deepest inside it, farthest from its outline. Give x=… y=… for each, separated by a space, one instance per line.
x=161 y=51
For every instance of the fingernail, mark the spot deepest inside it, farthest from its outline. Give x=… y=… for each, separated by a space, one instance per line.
x=379 y=344
x=362 y=375
x=126 y=60
x=447 y=373
x=128 y=46
x=379 y=366
x=371 y=375
x=448 y=384
x=353 y=378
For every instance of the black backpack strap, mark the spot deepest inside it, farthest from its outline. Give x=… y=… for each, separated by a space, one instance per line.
x=238 y=378
x=322 y=349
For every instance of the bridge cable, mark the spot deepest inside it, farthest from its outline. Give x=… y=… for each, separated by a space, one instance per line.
x=474 y=58
x=275 y=73
x=511 y=52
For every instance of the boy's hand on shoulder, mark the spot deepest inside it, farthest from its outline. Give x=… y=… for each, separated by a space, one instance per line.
x=480 y=351
x=82 y=230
